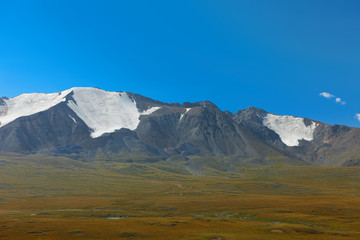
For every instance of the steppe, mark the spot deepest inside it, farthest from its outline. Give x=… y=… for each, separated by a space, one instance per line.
x=59 y=198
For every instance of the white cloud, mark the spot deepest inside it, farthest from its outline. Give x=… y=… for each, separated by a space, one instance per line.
x=326 y=95
x=329 y=95
x=338 y=100
x=357 y=116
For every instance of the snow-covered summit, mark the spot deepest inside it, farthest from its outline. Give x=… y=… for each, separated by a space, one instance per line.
x=101 y=111
x=105 y=112
x=28 y=104
x=289 y=128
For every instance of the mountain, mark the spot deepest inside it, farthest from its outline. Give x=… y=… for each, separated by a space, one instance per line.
x=89 y=123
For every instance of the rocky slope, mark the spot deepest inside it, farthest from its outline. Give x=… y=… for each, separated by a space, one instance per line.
x=88 y=122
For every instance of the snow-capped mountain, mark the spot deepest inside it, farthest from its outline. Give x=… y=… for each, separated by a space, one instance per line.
x=102 y=111
x=86 y=122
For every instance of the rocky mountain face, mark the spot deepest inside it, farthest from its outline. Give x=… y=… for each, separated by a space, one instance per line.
x=86 y=123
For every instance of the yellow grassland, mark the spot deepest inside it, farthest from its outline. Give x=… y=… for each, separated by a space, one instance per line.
x=59 y=198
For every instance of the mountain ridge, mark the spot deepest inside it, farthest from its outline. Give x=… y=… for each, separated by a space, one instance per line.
x=89 y=121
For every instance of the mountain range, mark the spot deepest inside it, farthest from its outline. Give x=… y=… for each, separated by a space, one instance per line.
x=90 y=123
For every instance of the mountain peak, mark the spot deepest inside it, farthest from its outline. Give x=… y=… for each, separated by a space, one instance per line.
x=105 y=112
x=28 y=104
x=252 y=114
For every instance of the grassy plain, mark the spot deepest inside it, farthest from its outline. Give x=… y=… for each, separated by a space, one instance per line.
x=58 y=198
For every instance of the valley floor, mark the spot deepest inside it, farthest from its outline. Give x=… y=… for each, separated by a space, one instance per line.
x=65 y=199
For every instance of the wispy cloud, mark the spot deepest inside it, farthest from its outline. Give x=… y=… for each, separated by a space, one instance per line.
x=329 y=96
x=357 y=116
x=326 y=95
x=338 y=100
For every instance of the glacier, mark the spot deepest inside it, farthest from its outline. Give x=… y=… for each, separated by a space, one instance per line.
x=105 y=112
x=289 y=128
x=28 y=104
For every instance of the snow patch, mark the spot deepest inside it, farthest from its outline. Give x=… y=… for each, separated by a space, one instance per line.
x=290 y=129
x=29 y=104
x=73 y=119
x=182 y=115
x=105 y=112
x=150 y=111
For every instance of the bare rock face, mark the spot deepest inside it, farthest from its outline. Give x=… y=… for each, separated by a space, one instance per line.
x=163 y=130
x=197 y=130
x=46 y=129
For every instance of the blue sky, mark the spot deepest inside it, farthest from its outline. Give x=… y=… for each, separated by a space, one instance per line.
x=275 y=55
